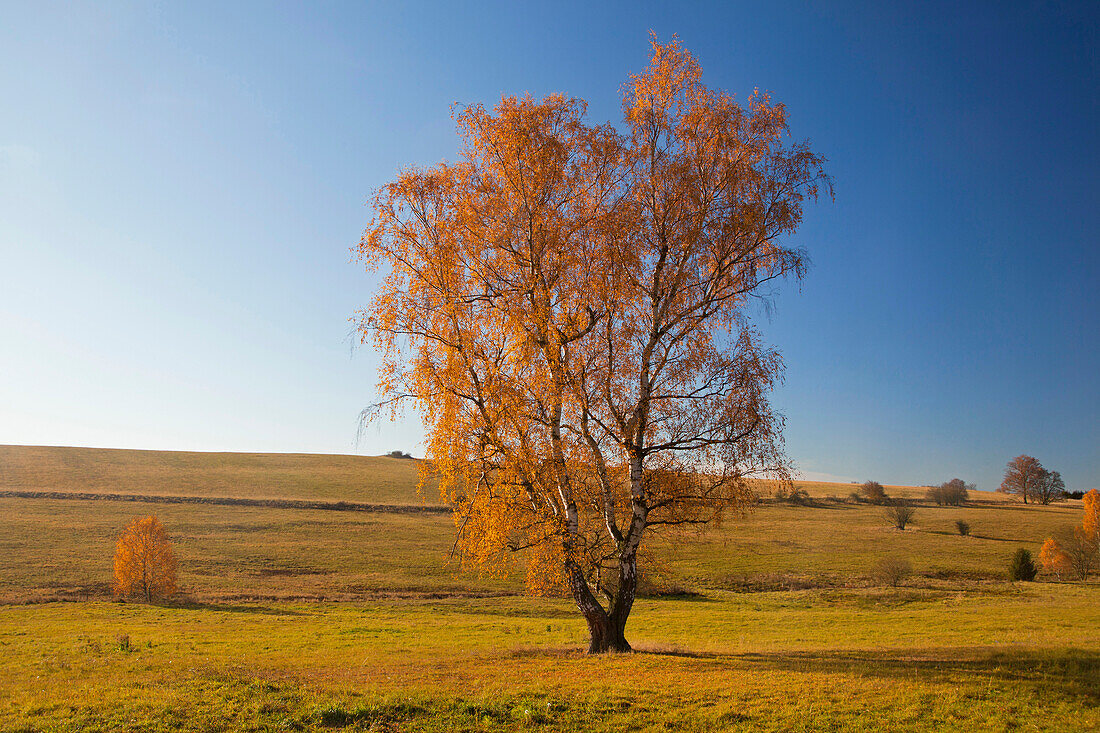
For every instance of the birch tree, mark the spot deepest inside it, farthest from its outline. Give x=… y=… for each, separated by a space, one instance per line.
x=145 y=563
x=567 y=307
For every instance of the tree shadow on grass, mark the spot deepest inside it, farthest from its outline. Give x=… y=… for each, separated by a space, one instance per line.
x=972 y=535
x=813 y=503
x=233 y=608
x=516 y=612
x=1072 y=671
x=1002 y=539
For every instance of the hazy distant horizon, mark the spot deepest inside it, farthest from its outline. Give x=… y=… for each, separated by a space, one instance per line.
x=798 y=475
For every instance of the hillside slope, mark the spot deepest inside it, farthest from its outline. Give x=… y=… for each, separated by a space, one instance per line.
x=368 y=479
x=296 y=476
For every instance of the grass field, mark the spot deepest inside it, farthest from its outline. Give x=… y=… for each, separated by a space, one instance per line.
x=309 y=619
x=366 y=479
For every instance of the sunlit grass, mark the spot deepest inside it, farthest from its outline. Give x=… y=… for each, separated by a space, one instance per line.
x=369 y=479
x=309 y=619
x=63 y=548
x=773 y=661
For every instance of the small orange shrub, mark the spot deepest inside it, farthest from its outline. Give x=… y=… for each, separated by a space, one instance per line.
x=1053 y=558
x=145 y=563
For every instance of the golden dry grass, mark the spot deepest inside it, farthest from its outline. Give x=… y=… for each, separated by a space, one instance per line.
x=368 y=479
x=787 y=631
x=765 y=661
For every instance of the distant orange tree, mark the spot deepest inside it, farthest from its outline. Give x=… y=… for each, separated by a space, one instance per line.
x=145 y=564
x=567 y=308
x=1054 y=558
x=1077 y=551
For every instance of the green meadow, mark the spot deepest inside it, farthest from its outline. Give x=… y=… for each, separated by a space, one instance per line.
x=312 y=619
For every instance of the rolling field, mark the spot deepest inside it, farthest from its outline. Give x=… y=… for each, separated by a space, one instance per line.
x=296 y=619
x=367 y=479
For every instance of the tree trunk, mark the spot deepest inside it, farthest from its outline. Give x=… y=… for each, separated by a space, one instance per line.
x=607 y=629
x=624 y=599
x=605 y=632
x=606 y=636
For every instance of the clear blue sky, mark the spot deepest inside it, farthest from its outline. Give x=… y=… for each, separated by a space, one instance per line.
x=180 y=184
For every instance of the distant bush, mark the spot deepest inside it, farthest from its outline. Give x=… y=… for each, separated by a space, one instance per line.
x=873 y=492
x=792 y=495
x=1022 y=567
x=899 y=513
x=398 y=454
x=950 y=493
x=963 y=527
x=892 y=571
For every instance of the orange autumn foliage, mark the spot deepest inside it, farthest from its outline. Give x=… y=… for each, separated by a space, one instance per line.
x=1053 y=558
x=566 y=306
x=1079 y=550
x=1090 y=525
x=145 y=563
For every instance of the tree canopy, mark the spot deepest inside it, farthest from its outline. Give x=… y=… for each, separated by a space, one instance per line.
x=950 y=493
x=567 y=308
x=1026 y=477
x=145 y=563
x=1077 y=551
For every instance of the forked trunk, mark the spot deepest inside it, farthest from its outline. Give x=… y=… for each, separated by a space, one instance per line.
x=606 y=628
x=606 y=631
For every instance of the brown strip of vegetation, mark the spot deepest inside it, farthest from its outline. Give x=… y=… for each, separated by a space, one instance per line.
x=338 y=506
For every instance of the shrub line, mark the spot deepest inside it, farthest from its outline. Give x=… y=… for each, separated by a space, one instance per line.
x=338 y=506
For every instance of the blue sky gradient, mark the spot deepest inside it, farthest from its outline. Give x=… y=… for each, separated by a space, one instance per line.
x=180 y=185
